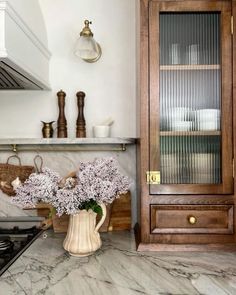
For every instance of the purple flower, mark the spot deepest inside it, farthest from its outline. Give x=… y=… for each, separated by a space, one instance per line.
x=97 y=180
x=37 y=188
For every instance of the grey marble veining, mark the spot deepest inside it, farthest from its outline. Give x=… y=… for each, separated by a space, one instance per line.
x=64 y=141
x=45 y=268
x=8 y=209
x=65 y=162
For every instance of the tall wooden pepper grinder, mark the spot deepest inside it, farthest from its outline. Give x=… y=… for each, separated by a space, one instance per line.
x=61 y=122
x=80 y=123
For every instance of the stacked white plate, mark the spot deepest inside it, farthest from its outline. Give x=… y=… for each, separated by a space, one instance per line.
x=181 y=125
x=207 y=119
x=179 y=119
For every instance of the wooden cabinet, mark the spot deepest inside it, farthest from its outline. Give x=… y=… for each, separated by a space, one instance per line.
x=186 y=147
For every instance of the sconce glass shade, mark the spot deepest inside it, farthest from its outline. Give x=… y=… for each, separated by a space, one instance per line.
x=86 y=47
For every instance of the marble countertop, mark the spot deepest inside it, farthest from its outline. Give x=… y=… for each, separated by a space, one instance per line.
x=45 y=268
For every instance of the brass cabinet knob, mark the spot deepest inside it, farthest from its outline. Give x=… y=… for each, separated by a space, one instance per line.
x=192 y=219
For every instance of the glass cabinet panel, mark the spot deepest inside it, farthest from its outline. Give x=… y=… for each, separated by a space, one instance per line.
x=190 y=98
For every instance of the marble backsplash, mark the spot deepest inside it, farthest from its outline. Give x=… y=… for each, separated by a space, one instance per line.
x=66 y=162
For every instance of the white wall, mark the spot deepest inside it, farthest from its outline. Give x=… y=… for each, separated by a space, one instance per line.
x=109 y=84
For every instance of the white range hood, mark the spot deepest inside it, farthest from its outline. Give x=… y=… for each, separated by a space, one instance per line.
x=24 y=57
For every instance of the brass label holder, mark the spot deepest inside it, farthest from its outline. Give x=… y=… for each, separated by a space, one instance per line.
x=153 y=177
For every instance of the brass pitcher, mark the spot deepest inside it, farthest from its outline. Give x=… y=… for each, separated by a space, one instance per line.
x=47 y=129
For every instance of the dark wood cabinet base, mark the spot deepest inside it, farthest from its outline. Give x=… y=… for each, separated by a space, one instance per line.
x=186 y=247
x=196 y=247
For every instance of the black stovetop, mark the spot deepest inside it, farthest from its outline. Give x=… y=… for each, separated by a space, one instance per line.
x=13 y=242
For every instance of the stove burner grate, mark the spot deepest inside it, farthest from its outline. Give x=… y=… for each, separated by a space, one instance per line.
x=5 y=244
x=13 y=242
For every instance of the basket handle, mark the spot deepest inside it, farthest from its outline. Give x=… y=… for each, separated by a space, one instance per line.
x=14 y=156
x=38 y=168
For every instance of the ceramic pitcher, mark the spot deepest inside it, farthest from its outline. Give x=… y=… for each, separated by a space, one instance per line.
x=83 y=238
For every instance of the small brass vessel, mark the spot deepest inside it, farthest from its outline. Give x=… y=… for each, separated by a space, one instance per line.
x=47 y=129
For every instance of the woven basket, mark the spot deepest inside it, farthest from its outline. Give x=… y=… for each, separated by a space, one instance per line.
x=9 y=172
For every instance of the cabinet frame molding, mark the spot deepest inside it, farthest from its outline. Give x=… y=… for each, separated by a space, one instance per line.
x=155 y=8
x=145 y=240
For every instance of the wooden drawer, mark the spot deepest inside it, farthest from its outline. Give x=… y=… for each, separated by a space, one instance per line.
x=215 y=219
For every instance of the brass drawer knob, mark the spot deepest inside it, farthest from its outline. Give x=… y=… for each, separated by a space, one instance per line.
x=192 y=219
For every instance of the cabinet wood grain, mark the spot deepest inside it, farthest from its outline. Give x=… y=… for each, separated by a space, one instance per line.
x=165 y=208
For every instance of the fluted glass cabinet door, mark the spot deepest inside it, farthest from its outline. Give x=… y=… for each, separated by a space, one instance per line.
x=191 y=97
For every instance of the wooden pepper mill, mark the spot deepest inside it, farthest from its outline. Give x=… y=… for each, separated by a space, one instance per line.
x=80 y=123
x=61 y=122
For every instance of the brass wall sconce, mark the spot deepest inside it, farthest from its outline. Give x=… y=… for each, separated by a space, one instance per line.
x=86 y=46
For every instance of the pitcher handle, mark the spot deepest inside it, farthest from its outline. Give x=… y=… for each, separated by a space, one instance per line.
x=104 y=215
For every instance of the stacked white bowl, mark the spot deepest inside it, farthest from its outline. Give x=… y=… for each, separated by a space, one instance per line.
x=179 y=119
x=207 y=119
